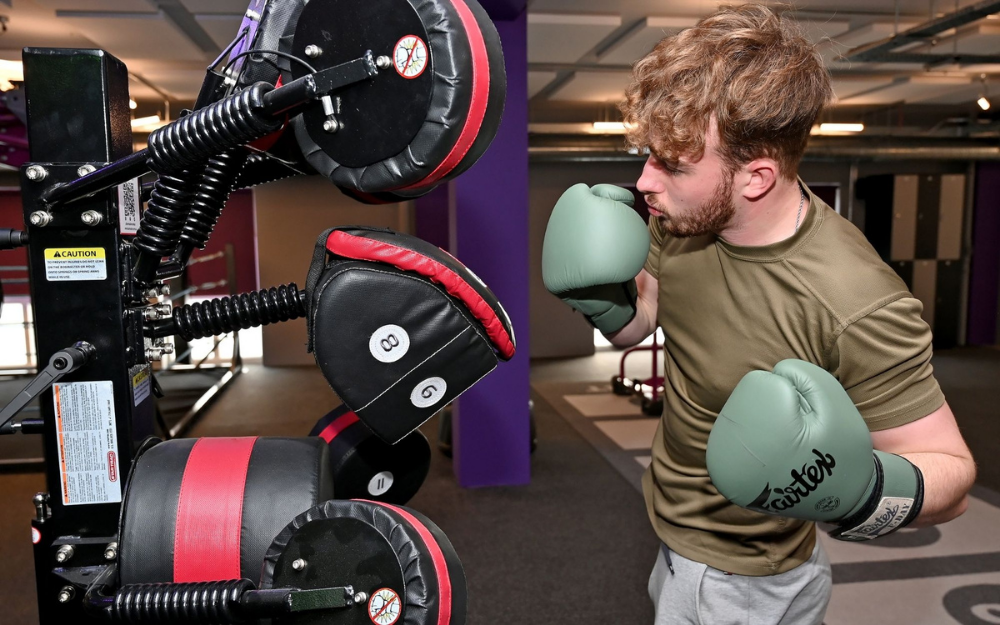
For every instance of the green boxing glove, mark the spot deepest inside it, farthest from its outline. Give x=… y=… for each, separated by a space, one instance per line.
x=791 y=443
x=595 y=245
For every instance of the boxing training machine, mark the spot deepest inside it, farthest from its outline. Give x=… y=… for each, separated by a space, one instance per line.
x=387 y=99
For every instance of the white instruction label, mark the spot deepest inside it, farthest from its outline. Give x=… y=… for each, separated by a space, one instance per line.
x=88 y=442
x=141 y=384
x=67 y=264
x=128 y=207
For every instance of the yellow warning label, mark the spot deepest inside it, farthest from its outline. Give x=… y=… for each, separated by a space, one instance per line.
x=74 y=253
x=141 y=385
x=75 y=263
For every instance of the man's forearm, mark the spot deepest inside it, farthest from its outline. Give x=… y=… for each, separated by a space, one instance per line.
x=641 y=326
x=947 y=480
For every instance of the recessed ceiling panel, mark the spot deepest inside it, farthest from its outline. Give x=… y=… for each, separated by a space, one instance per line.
x=129 y=6
x=221 y=28
x=846 y=41
x=594 y=87
x=538 y=81
x=134 y=37
x=916 y=89
x=643 y=39
x=564 y=38
x=962 y=94
x=844 y=88
x=818 y=31
x=181 y=84
x=235 y=7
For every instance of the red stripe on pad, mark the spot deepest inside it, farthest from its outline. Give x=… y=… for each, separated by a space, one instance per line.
x=338 y=425
x=437 y=557
x=480 y=98
x=210 y=510
x=363 y=248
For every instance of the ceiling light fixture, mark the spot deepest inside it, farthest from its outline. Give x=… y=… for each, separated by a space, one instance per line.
x=832 y=127
x=983 y=100
x=610 y=128
x=983 y=103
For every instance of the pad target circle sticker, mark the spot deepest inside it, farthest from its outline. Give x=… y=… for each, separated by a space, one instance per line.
x=384 y=607
x=409 y=57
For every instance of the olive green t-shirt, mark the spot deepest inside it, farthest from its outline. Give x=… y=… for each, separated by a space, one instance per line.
x=823 y=296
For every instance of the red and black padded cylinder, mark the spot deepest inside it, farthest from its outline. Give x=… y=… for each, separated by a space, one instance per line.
x=375 y=546
x=364 y=466
x=207 y=509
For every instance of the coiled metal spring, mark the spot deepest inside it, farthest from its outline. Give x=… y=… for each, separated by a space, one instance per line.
x=197 y=603
x=213 y=189
x=166 y=212
x=217 y=128
x=239 y=312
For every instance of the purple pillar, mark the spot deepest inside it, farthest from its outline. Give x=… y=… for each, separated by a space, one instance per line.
x=489 y=230
x=431 y=221
x=984 y=282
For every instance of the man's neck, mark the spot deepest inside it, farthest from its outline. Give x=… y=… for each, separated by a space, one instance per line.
x=772 y=218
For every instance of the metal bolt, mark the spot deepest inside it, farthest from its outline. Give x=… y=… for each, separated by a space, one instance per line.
x=299 y=564
x=65 y=553
x=332 y=126
x=360 y=597
x=312 y=51
x=36 y=173
x=40 y=218
x=83 y=170
x=111 y=551
x=60 y=363
x=91 y=218
x=40 y=500
x=154 y=354
x=383 y=62
x=66 y=594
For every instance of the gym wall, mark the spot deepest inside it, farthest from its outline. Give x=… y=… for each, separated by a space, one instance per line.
x=290 y=215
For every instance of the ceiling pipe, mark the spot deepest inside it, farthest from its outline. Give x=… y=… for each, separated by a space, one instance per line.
x=882 y=51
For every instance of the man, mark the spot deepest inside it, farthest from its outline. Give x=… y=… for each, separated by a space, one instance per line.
x=746 y=268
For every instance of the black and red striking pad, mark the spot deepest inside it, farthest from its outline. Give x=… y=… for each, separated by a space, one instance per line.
x=364 y=466
x=207 y=509
x=399 y=558
x=399 y=327
x=417 y=123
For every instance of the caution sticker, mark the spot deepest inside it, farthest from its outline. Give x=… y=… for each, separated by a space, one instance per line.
x=128 y=207
x=87 y=439
x=66 y=264
x=141 y=384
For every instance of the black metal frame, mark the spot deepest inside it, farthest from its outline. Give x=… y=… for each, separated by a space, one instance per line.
x=81 y=149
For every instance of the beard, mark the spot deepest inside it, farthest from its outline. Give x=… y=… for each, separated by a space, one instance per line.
x=708 y=218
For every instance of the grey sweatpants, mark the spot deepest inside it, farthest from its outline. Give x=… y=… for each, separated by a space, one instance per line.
x=697 y=594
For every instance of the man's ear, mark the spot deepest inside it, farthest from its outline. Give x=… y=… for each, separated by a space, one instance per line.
x=757 y=178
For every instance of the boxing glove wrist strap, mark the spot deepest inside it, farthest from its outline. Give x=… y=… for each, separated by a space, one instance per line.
x=895 y=500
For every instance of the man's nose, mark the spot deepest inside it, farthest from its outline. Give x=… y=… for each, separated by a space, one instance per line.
x=647 y=180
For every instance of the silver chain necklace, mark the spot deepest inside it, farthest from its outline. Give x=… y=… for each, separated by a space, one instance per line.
x=802 y=200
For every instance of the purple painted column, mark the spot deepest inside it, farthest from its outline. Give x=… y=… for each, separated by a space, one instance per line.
x=489 y=229
x=984 y=281
x=431 y=217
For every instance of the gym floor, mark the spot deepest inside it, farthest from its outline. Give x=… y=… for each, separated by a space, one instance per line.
x=575 y=544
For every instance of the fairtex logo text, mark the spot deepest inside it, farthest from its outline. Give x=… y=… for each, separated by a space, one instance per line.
x=805 y=481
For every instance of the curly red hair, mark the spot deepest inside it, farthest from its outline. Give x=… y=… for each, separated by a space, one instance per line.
x=748 y=68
